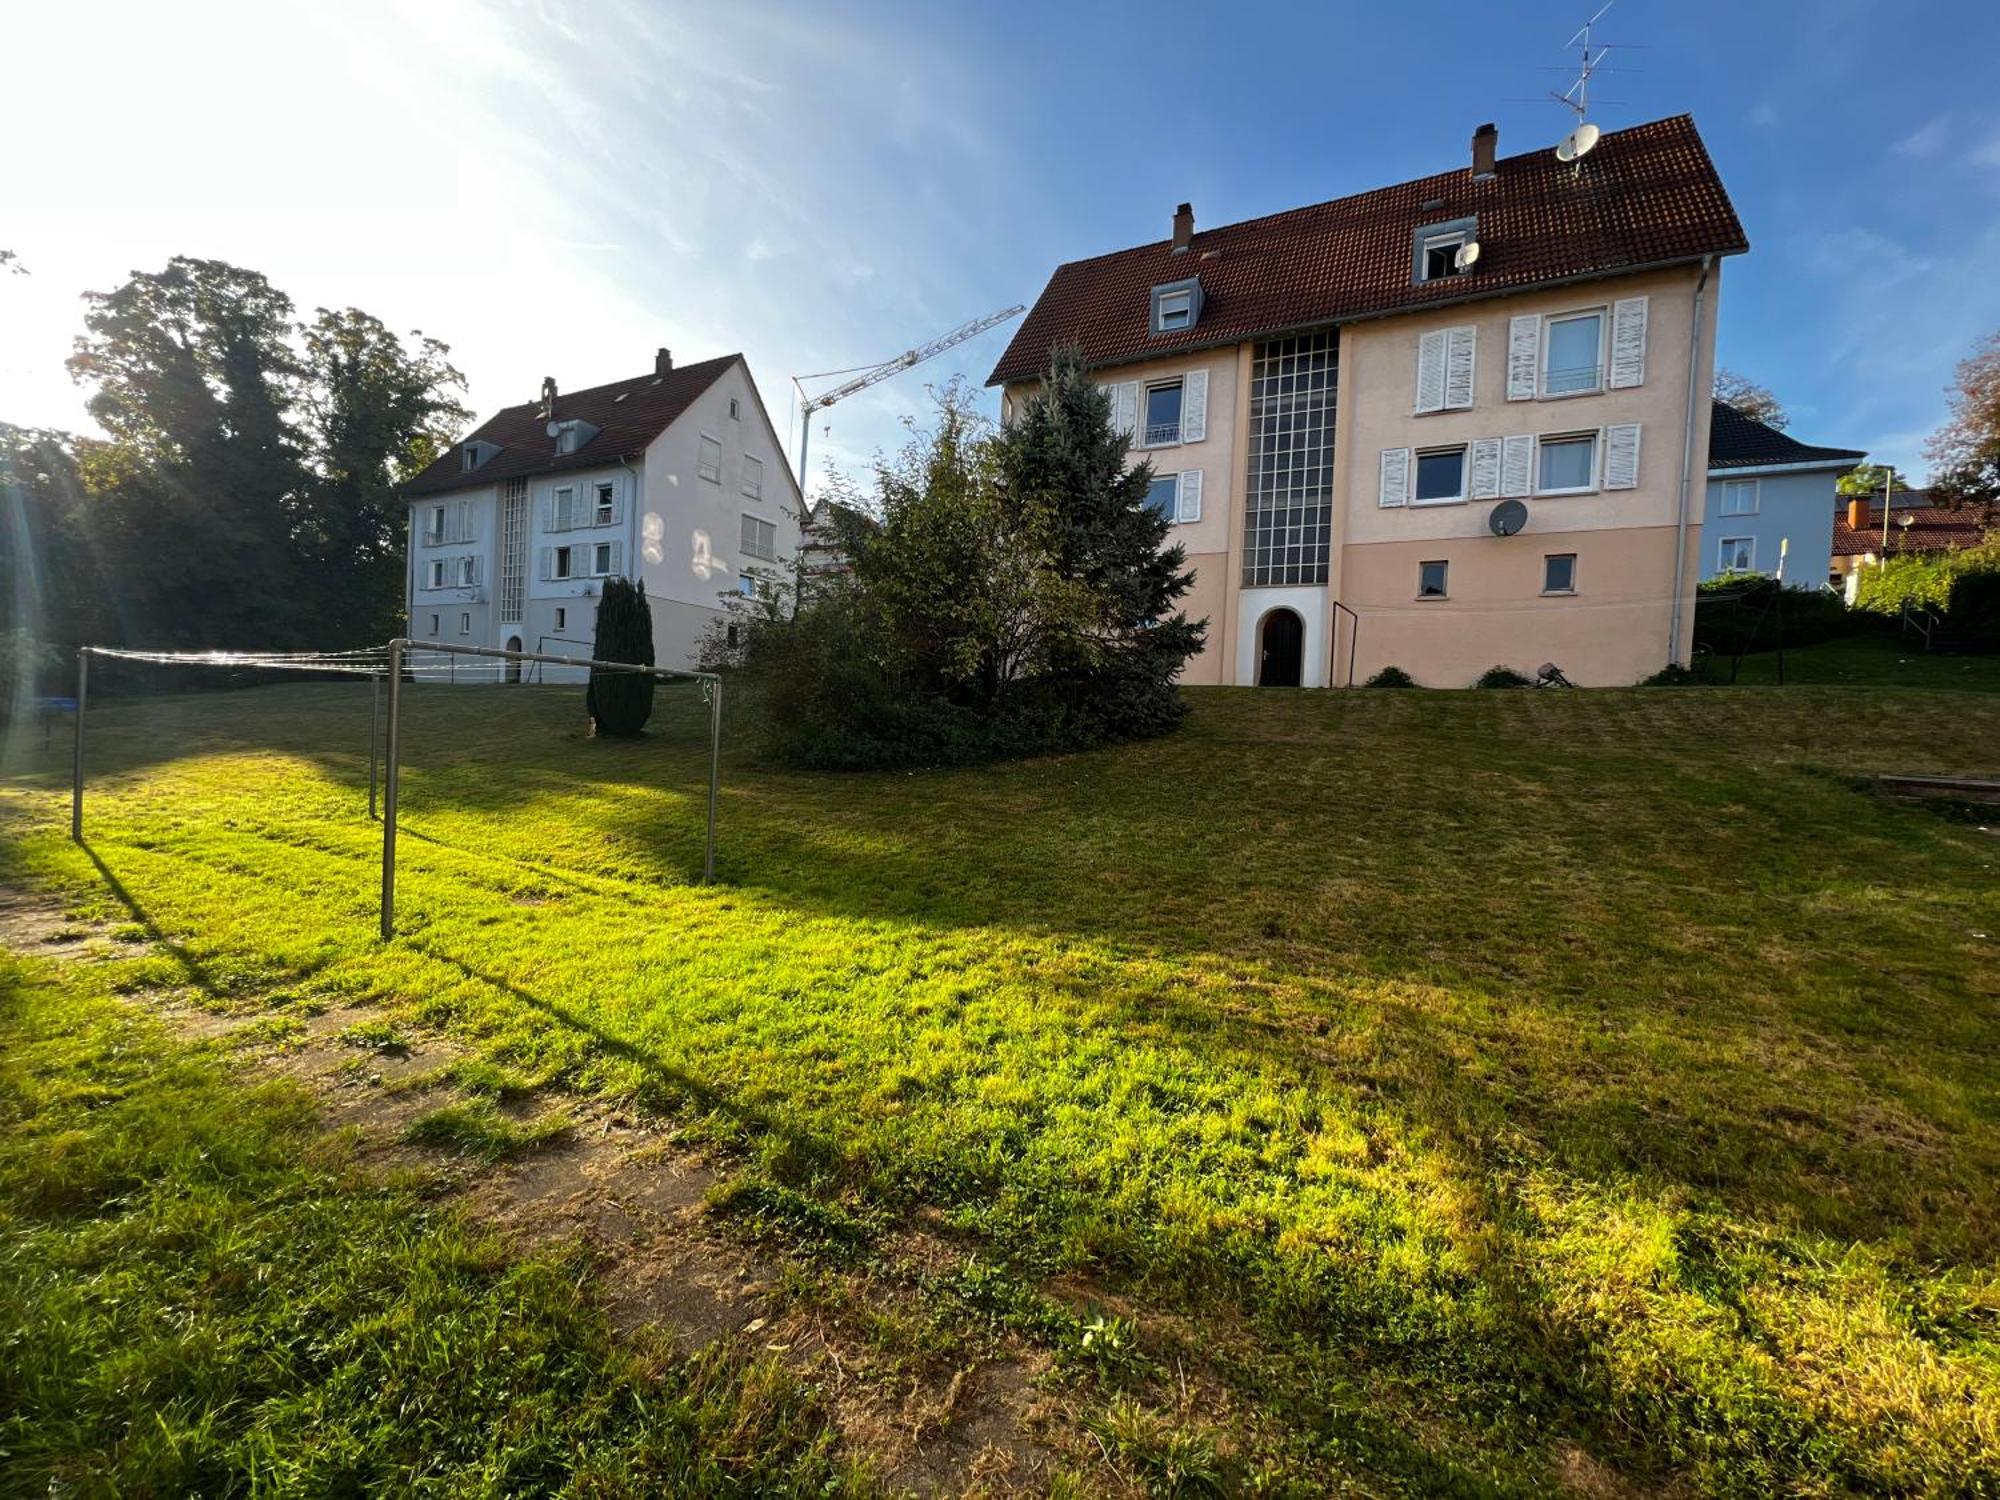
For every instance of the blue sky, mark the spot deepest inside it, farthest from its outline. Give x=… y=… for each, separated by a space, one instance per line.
x=558 y=187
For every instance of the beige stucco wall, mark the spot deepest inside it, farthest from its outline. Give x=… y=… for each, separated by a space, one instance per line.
x=1616 y=627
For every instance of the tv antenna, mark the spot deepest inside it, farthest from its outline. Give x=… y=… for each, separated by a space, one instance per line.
x=1576 y=98
x=875 y=374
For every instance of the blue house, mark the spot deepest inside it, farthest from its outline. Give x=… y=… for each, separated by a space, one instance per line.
x=1765 y=490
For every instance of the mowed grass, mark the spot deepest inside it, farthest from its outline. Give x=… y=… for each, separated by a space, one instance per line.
x=1884 y=660
x=1524 y=1088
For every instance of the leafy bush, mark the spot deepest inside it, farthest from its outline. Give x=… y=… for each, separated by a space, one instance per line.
x=620 y=703
x=1673 y=674
x=1391 y=677
x=1011 y=594
x=1501 y=677
x=1740 y=613
x=1962 y=586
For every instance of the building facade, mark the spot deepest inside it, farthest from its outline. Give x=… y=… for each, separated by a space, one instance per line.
x=1340 y=402
x=1771 y=502
x=675 y=480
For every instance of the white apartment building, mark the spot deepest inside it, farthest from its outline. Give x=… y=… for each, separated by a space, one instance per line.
x=675 y=479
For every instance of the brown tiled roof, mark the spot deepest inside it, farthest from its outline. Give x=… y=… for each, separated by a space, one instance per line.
x=628 y=414
x=1739 y=442
x=1931 y=529
x=1647 y=196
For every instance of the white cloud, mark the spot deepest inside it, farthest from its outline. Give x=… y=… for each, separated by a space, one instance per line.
x=1927 y=139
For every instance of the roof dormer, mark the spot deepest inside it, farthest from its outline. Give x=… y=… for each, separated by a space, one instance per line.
x=471 y=455
x=573 y=434
x=1176 y=305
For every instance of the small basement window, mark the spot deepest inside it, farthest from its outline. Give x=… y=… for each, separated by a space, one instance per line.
x=1430 y=580
x=465 y=623
x=1559 y=573
x=1440 y=476
x=562 y=618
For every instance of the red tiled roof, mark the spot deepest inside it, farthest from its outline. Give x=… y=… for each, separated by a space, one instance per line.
x=1647 y=196
x=1931 y=529
x=628 y=414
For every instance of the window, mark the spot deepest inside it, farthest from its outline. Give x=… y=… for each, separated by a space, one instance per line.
x=1434 y=249
x=468 y=572
x=562 y=618
x=760 y=538
x=434 y=627
x=607 y=503
x=434 y=525
x=1737 y=554
x=1163 y=494
x=1441 y=256
x=1288 y=483
x=569 y=437
x=1573 y=354
x=1163 y=414
x=709 y=464
x=735 y=410
x=729 y=635
x=1559 y=573
x=1566 y=464
x=566 y=560
x=746 y=585
x=1430 y=580
x=465 y=623
x=600 y=559
x=753 y=477
x=513 y=550
x=436 y=574
x=468 y=458
x=1739 y=497
x=1440 y=476
x=1177 y=305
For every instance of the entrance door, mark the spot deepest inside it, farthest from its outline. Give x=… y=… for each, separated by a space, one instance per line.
x=513 y=663
x=1283 y=642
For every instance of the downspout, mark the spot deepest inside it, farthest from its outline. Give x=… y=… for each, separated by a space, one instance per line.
x=1687 y=465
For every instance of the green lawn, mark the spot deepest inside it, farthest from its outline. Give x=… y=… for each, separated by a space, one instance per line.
x=1498 y=1091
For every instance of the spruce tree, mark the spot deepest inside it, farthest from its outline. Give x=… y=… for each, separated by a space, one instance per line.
x=1062 y=471
x=619 y=703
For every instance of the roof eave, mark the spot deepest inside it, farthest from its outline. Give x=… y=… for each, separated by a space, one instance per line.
x=1800 y=466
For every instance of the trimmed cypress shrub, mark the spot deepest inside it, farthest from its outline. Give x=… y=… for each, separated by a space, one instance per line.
x=1502 y=677
x=1391 y=677
x=620 y=703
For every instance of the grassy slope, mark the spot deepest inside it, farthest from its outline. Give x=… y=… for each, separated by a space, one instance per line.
x=1529 y=1071
x=1866 y=660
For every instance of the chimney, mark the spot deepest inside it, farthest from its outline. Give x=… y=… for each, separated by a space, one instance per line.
x=663 y=362
x=548 y=398
x=1183 y=227
x=1485 y=142
x=1857 y=513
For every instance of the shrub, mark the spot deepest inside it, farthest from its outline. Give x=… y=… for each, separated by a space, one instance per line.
x=619 y=703
x=1972 y=609
x=1501 y=677
x=1925 y=579
x=1673 y=674
x=1391 y=677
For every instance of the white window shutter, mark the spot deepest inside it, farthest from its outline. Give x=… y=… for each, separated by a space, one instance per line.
x=1187 y=504
x=1395 y=476
x=1524 y=353
x=547 y=563
x=1517 y=465
x=1430 y=370
x=1628 y=342
x=1621 y=456
x=1194 y=409
x=1485 y=459
x=1126 y=419
x=1460 y=344
x=617 y=557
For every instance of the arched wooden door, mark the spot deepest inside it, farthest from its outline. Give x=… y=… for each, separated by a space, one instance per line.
x=1282 y=649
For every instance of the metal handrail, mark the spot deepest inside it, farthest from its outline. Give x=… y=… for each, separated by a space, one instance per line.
x=1333 y=641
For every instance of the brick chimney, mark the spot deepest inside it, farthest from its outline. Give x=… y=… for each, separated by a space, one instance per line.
x=1857 y=513
x=1183 y=227
x=1485 y=143
x=663 y=362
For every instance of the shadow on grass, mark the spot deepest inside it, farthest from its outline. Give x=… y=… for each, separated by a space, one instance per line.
x=198 y=974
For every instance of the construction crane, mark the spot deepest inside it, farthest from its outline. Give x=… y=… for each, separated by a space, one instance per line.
x=875 y=374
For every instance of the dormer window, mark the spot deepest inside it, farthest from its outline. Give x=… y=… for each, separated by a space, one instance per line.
x=1436 y=250
x=1177 y=305
x=471 y=455
x=573 y=434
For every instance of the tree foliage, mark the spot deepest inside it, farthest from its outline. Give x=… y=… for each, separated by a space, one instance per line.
x=1750 y=399
x=620 y=703
x=1004 y=593
x=245 y=492
x=1965 y=451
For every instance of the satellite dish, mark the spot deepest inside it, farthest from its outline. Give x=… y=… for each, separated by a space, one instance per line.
x=1468 y=255
x=1508 y=517
x=555 y=429
x=1577 y=143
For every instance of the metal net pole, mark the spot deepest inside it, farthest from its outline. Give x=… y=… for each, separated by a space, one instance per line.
x=374 y=736
x=389 y=787
x=714 y=773
x=76 y=750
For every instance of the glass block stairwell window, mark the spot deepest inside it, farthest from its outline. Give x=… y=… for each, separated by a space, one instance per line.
x=513 y=550
x=1288 y=494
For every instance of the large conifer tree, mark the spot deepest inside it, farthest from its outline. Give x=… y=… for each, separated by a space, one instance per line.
x=620 y=703
x=1062 y=471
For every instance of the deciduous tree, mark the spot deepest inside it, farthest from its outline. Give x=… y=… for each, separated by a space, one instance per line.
x=1751 y=399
